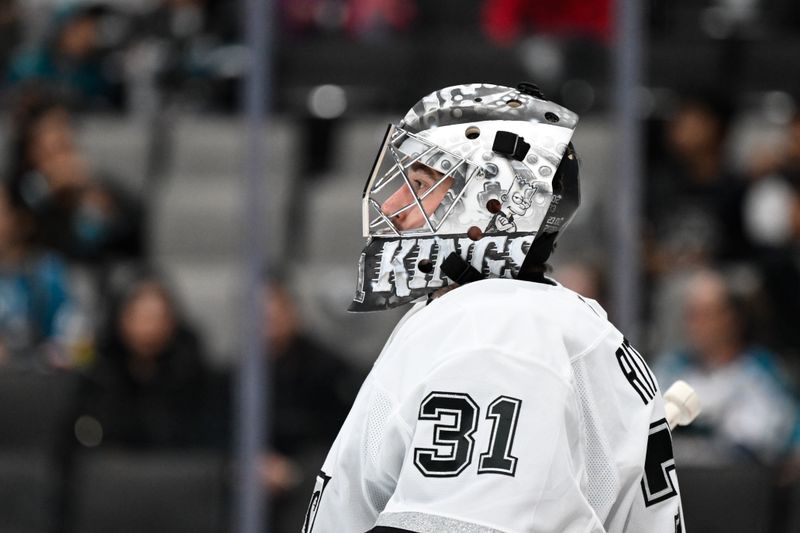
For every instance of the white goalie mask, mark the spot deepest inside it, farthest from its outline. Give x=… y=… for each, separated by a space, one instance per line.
x=470 y=170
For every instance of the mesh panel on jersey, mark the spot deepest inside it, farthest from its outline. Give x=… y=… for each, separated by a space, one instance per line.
x=602 y=480
x=380 y=409
x=377 y=497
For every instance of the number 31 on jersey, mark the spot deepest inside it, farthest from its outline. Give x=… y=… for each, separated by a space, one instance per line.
x=455 y=439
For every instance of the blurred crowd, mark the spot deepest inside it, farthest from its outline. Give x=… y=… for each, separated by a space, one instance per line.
x=109 y=56
x=79 y=294
x=721 y=266
x=721 y=254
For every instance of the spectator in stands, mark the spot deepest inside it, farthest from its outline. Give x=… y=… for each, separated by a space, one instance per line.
x=694 y=201
x=694 y=209
x=774 y=221
x=505 y=21
x=749 y=412
x=70 y=60
x=85 y=218
x=362 y=19
x=311 y=17
x=379 y=19
x=769 y=158
x=772 y=216
x=312 y=393
x=584 y=278
x=214 y=20
x=10 y=31
x=147 y=388
x=190 y=48
x=38 y=317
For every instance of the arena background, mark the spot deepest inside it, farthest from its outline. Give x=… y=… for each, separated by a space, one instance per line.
x=167 y=124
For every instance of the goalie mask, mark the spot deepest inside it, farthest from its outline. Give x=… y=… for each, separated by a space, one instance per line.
x=474 y=182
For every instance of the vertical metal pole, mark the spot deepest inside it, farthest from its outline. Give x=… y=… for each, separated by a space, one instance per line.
x=254 y=377
x=626 y=281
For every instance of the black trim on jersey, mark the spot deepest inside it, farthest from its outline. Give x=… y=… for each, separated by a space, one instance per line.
x=458 y=437
x=657 y=484
x=384 y=529
x=498 y=458
x=316 y=500
x=587 y=305
x=636 y=371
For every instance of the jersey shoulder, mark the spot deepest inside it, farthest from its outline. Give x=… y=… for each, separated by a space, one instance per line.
x=520 y=318
x=550 y=312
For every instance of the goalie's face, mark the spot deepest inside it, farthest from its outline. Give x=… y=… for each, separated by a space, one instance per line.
x=414 y=187
x=425 y=186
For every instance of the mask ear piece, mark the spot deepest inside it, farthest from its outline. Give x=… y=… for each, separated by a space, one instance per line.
x=566 y=179
x=566 y=184
x=540 y=251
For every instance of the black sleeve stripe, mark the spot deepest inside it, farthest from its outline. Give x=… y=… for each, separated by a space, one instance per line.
x=384 y=529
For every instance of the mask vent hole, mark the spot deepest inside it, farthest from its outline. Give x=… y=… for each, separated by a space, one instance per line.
x=474 y=233
x=425 y=266
x=473 y=132
x=514 y=103
x=478 y=100
x=551 y=117
x=493 y=206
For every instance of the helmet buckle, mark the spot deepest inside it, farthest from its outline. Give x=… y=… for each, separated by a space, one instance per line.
x=511 y=145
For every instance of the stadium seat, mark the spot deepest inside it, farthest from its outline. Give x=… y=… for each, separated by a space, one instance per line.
x=792 y=507
x=729 y=499
x=128 y=492
x=33 y=406
x=28 y=484
x=694 y=64
x=764 y=65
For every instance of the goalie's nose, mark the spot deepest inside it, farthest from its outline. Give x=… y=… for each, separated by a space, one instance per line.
x=397 y=201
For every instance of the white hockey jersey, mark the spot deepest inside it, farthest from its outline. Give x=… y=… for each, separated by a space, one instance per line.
x=503 y=406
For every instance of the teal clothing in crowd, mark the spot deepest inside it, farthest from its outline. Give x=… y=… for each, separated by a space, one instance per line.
x=749 y=408
x=35 y=304
x=81 y=80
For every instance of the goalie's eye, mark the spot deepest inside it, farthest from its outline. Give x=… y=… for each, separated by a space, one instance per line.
x=421 y=178
x=420 y=185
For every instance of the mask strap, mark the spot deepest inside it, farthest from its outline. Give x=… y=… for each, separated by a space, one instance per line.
x=459 y=270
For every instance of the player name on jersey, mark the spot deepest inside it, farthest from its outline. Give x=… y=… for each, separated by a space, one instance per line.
x=388 y=268
x=636 y=371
